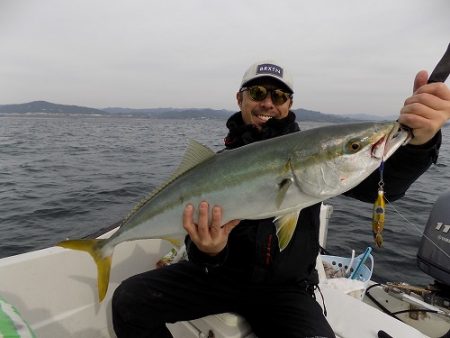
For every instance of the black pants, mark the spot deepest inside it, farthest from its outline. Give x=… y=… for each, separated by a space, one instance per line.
x=143 y=303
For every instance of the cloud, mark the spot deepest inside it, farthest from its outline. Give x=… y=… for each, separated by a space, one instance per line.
x=347 y=57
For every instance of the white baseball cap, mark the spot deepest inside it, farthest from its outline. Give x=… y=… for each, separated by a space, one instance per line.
x=268 y=68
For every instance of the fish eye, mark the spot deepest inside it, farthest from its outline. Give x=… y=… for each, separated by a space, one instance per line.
x=353 y=146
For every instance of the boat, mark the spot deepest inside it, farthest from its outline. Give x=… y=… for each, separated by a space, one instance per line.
x=53 y=291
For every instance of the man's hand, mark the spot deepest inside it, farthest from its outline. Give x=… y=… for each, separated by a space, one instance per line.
x=427 y=110
x=210 y=237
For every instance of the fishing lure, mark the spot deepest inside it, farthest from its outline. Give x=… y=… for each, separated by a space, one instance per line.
x=378 y=218
x=379 y=211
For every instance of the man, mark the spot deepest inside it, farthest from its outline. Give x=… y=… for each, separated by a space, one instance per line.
x=237 y=267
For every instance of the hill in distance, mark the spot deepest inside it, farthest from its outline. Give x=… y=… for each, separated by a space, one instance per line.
x=47 y=108
x=44 y=108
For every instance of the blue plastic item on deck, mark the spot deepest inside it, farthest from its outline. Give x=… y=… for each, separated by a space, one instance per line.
x=361 y=262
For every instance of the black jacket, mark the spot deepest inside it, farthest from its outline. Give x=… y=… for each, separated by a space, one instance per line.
x=252 y=250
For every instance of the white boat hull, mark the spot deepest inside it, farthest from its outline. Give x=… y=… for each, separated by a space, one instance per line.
x=55 y=291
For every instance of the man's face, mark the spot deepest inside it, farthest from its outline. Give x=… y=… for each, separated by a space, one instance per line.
x=259 y=112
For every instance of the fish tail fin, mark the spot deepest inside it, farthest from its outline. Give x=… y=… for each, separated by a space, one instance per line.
x=103 y=262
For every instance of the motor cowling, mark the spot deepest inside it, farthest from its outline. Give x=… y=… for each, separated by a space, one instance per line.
x=433 y=256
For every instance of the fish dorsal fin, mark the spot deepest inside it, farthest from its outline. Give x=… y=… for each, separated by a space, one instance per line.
x=285 y=226
x=195 y=154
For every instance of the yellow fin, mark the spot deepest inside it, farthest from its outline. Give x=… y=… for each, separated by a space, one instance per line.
x=286 y=225
x=93 y=247
x=176 y=242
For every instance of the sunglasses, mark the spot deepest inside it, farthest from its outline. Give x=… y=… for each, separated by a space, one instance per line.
x=259 y=93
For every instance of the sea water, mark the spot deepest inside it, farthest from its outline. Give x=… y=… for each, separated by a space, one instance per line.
x=71 y=177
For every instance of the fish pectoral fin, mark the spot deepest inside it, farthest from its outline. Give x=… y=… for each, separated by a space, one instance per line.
x=103 y=262
x=283 y=187
x=285 y=226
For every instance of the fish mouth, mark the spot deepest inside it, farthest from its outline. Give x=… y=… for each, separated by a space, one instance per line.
x=398 y=136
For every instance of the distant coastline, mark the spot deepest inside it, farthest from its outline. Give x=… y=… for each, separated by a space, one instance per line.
x=48 y=109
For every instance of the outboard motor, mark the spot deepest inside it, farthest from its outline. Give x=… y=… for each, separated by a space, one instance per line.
x=433 y=256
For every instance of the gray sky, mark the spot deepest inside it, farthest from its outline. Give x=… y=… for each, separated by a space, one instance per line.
x=348 y=56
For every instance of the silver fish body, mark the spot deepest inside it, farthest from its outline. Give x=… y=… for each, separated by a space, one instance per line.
x=316 y=164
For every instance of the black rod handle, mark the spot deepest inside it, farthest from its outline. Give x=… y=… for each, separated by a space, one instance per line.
x=442 y=69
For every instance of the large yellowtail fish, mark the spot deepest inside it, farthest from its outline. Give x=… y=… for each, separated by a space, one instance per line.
x=272 y=178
